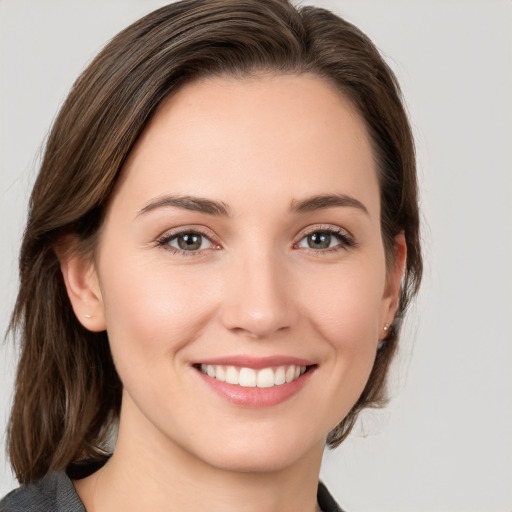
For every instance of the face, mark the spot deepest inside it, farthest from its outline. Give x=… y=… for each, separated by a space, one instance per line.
x=240 y=271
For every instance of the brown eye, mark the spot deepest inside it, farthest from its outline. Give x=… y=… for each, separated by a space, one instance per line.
x=188 y=241
x=324 y=239
x=320 y=240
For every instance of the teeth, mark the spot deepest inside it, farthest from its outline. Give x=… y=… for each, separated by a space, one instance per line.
x=232 y=375
x=250 y=378
x=220 y=373
x=265 y=378
x=279 y=376
x=247 y=378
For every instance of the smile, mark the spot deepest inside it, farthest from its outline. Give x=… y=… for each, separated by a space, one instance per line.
x=255 y=382
x=251 y=378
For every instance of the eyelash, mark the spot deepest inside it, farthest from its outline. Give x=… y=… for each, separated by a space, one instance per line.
x=165 y=240
x=346 y=241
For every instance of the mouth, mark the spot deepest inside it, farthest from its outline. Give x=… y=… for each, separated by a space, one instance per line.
x=255 y=382
x=266 y=377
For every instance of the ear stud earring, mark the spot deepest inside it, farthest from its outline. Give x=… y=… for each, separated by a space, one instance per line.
x=386 y=327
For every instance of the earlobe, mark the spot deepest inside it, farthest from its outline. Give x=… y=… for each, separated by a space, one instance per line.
x=82 y=285
x=393 y=282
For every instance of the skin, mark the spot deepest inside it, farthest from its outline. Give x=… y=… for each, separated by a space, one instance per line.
x=255 y=287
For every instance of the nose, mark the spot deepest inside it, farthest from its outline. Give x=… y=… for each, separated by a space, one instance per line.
x=258 y=300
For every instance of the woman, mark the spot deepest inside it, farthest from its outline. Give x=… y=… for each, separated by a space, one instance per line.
x=222 y=242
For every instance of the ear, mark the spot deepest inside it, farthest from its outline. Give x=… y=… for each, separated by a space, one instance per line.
x=82 y=284
x=395 y=273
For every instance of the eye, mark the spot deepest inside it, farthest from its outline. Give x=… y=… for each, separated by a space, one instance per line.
x=323 y=239
x=187 y=241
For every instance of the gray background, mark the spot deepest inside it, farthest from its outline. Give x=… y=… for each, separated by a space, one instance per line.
x=445 y=442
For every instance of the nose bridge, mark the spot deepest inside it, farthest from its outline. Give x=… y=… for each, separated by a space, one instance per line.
x=258 y=301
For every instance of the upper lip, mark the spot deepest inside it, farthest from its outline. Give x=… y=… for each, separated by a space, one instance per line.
x=246 y=361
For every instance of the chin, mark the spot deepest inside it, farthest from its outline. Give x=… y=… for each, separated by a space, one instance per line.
x=260 y=454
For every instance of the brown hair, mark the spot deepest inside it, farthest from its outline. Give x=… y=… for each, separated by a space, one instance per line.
x=68 y=393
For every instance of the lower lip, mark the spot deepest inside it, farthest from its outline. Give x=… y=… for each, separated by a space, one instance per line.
x=256 y=397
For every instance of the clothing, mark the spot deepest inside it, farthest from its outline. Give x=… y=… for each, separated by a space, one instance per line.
x=325 y=500
x=53 y=493
x=56 y=493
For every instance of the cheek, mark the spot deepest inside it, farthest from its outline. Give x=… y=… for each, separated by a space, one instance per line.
x=154 y=312
x=345 y=303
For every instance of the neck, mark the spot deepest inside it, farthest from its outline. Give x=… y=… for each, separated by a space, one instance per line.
x=149 y=472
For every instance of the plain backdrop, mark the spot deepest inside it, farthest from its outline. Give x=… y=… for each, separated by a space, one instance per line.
x=445 y=442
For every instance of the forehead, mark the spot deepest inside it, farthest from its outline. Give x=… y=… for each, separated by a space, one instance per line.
x=279 y=135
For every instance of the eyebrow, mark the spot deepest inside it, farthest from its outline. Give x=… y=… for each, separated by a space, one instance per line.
x=323 y=201
x=196 y=204
x=211 y=207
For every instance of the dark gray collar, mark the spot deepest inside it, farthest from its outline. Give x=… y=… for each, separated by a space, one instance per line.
x=56 y=492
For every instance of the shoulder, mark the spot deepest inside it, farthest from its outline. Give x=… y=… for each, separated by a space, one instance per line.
x=325 y=500
x=53 y=493
x=56 y=493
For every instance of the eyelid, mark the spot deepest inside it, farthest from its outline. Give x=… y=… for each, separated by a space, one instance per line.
x=348 y=240
x=163 y=239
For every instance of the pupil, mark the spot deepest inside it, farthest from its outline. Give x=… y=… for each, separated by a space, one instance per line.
x=319 y=240
x=189 y=242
